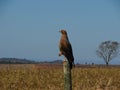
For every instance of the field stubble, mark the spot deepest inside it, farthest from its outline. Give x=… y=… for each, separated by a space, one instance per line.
x=50 y=77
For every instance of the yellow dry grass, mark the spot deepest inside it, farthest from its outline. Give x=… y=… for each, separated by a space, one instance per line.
x=30 y=77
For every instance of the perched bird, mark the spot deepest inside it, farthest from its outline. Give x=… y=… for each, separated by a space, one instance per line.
x=66 y=48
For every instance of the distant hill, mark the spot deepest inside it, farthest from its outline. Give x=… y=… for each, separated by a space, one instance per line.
x=26 y=61
x=15 y=61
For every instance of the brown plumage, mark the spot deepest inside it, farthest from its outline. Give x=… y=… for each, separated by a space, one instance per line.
x=66 y=48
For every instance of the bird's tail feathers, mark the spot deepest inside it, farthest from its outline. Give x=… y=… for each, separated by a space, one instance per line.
x=71 y=65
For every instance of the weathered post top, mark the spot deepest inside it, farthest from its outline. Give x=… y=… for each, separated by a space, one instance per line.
x=67 y=76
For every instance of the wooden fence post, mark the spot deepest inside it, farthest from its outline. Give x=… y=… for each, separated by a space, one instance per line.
x=67 y=76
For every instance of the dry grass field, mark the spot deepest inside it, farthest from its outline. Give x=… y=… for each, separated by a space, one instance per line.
x=50 y=77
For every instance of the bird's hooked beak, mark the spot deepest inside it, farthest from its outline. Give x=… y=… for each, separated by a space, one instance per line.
x=60 y=31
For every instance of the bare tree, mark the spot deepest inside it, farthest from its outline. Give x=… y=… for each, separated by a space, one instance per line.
x=108 y=50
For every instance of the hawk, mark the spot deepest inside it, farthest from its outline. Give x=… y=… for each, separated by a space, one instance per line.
x=66 y=48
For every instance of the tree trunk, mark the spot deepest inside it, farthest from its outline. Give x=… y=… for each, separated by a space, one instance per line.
x=107 y=63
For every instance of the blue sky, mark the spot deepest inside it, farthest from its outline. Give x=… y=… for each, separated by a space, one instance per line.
x=29 y=28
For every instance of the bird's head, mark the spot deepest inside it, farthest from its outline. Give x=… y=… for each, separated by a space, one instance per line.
x=63 y=32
